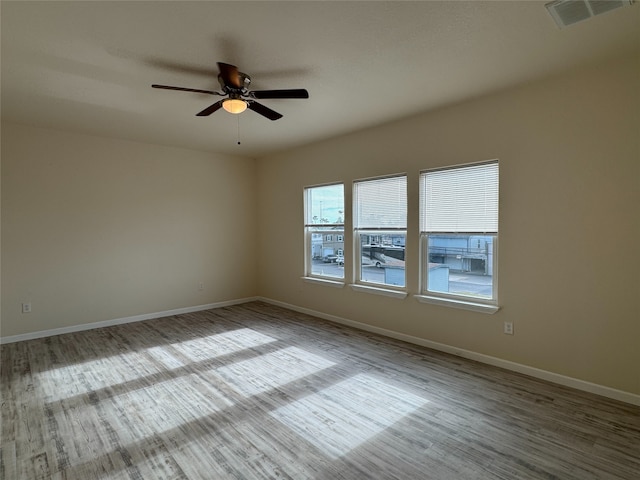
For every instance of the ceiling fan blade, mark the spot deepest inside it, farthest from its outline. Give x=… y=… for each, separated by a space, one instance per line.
x=291 y=93
x=210 y=109
x=230 y=75
x=264 y=111
x=183 y=89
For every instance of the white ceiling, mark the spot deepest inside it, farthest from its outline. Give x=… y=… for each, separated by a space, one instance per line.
x=88 y=66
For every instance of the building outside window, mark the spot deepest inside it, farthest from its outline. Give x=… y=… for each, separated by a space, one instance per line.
x=459 y=232
x=324 y=231
x=380 y=230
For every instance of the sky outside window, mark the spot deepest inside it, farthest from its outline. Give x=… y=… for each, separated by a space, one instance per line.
x=327 y=204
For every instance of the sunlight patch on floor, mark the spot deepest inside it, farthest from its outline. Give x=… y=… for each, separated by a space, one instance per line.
x=79 y=378
x=172 y=403
x=272 y=370
x=213 y=346
x=341 y=417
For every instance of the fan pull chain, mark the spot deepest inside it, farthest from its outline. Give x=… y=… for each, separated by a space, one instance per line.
x=238 y=117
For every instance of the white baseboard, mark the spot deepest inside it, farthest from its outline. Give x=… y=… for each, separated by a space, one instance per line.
x=608 y=392
x=120 y=321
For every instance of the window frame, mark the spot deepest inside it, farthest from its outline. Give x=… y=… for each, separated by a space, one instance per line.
x=387 y=289
x=312 y=228
x=460 y=300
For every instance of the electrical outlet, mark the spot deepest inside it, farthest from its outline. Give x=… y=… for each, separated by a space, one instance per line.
x=508 y=328
x=26 y=308
x=201 y=286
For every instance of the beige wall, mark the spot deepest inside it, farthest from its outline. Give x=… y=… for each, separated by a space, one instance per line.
x=569 y=224
x=97 y=229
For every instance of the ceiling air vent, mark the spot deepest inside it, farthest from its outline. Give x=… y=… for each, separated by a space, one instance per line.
x=568 y=12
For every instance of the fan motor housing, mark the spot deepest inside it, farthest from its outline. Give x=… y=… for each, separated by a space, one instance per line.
x=244 y=78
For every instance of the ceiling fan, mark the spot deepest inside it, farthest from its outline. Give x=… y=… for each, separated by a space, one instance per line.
x=235 y=86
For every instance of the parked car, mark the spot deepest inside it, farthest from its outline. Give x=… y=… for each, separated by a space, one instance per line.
x=329 y=258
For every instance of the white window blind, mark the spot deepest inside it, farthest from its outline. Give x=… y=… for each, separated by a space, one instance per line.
x=463 y=199
x=381 y=203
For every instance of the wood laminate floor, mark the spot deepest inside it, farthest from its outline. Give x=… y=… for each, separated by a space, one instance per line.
x=255 y=391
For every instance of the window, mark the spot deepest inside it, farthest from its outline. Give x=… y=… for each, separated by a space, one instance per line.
x=324 y=222
x=459 y=232
x=380 y=227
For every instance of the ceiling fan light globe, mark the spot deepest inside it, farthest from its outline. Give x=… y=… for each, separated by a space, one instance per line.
x=234 y=105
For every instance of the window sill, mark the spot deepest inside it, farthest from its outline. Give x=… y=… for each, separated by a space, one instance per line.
x=378 y=291
x=455 y=303
x=323 y=281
